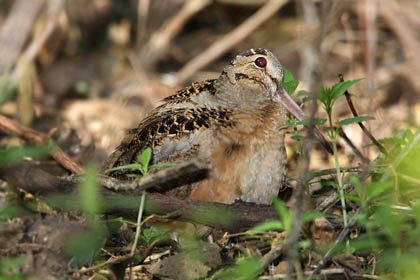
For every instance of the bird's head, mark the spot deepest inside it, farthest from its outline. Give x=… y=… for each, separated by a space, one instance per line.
x=254 y=79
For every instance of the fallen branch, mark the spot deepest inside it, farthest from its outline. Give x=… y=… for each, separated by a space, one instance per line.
x=236 y=217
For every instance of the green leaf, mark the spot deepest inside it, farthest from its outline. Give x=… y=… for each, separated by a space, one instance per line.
x=374 y=189
x=314 y=174
x=392 y=141
x=266 y=226
x=128 y=166
x=310 y=216
x=304 y=244
x=160 y=165
x=283 y=212
x=89 y=195
x=150 y=234
x=354 y=120
x=408 y=134
x=329 y=96
x=245 y=269
x=340 y=88
x=306 y=99
x=317 y=121
x=289 y=82
x=136 y=176
x=353 y=197
x=325 y=95
x=303 y=93
x=297 y=137
x=356 y=183
x=115 y=225
x=144 y=158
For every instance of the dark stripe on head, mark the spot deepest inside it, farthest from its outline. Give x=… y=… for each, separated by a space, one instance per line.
x=252 y=52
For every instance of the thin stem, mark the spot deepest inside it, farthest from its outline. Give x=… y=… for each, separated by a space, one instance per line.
x=340 y=183
x=334 y=134
x=138 y=228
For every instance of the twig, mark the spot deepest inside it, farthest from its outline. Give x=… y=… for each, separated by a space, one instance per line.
x=339 y=239
x=362 y=126
x=271 y=256
x=352 y=146
x=111 y=260
x=163 y=180
x=229 y=40
x=12 y=126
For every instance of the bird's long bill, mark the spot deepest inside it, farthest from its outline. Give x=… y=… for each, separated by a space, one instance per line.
x=284 y=98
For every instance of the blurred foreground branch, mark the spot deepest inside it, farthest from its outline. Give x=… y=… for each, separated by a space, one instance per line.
x=21 y=18
x=53 y=10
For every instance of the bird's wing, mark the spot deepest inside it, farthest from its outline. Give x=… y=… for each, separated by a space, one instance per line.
x=188 y=95
x=174 y=134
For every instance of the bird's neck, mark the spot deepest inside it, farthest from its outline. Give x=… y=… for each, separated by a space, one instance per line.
x=239 y=94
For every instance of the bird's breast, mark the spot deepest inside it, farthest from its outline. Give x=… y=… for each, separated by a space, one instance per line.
x=247 y=160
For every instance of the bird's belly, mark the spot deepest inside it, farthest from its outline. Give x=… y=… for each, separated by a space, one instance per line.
x=263 y=175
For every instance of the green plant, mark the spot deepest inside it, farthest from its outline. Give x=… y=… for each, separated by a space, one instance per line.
x=143 y=165
x=328 y=96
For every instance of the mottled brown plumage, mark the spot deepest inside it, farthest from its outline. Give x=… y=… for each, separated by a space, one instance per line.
x=235 y=122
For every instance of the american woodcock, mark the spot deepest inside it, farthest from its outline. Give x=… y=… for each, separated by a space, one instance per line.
x=235 y=122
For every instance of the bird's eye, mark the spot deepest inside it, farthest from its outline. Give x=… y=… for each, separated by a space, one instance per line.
x=260 y=62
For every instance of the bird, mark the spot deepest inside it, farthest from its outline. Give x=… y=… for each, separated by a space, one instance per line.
x=236 y=123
